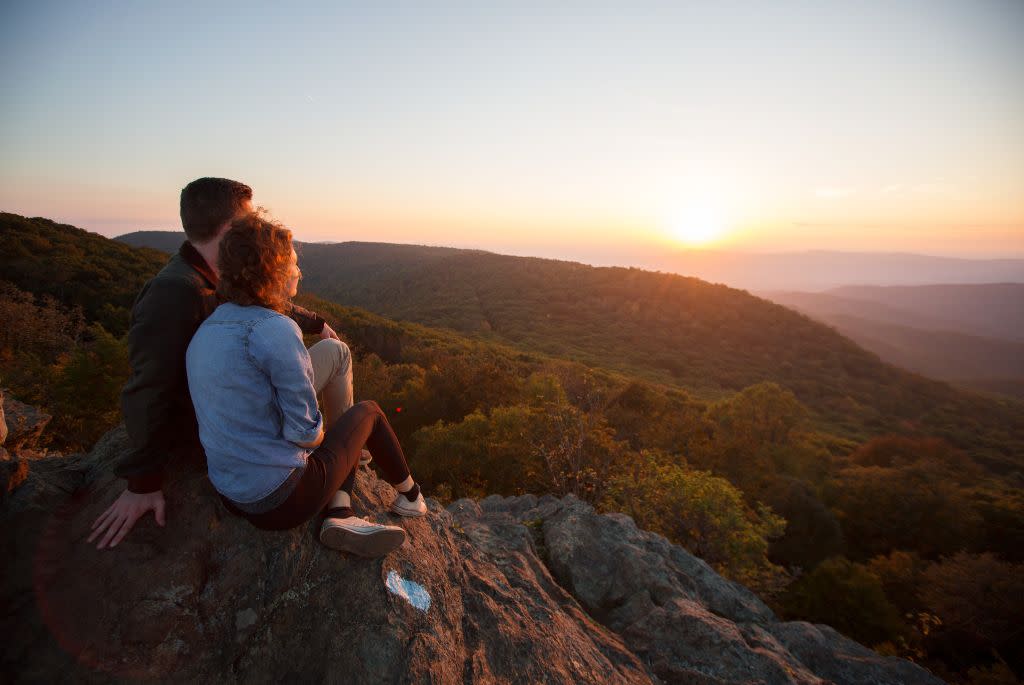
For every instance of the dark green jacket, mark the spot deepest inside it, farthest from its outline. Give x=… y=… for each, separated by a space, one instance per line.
x=157 y=407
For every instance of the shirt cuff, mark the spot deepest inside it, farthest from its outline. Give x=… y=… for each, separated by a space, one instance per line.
x=312 y=434
x=145 y=484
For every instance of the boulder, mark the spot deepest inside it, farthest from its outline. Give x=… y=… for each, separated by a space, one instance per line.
x=23 y=425
x=686 y=622
x=515 y=589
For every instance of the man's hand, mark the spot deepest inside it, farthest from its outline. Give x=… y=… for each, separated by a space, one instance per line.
x=115 y=522
x=328 y=333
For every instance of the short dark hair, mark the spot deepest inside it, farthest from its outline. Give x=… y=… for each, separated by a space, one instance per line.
x=254 y=260
x=209 y=203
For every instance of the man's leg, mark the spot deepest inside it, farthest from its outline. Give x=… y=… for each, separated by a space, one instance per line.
x=332 y=378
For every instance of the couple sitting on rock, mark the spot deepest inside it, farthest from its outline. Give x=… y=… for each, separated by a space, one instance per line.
x=218 y=365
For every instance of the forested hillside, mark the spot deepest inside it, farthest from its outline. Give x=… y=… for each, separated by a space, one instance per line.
x=709 y=339
x=901 y=539
x=76 y=267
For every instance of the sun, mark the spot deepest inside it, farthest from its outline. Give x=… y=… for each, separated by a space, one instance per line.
x=697 y=225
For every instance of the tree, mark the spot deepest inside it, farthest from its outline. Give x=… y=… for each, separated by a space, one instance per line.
x=848 y=597
x=544 y=445
x=699 y=511
x=980 y=600
x=911 y=508
x=812 y=530
x=86 y=400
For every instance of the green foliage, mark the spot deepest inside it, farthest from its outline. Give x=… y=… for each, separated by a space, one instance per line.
x=50 y=360
x=36 y=337
x=546 y=445
x=86 y=400
x=759 y=433
x=900 y=575
x=1001 y=507
x=812 y=533
x=76 y=267
x=980 y=601
x=848 y=597
x=699 y=511
x=915 y=507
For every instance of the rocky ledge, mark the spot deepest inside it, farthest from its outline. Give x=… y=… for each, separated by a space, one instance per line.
x=515 y=589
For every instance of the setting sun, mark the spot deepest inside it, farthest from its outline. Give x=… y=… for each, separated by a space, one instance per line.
x=697 y=226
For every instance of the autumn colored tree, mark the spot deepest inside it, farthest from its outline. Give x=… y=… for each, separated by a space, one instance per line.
x=546 y=445
x=705 y=514
x=910 y=508
x=980 y=601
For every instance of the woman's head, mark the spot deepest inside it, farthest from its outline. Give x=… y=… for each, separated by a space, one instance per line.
x=257 y=263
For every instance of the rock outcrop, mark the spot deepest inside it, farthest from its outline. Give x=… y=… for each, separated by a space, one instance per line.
x=21 y=426
x=518 y=589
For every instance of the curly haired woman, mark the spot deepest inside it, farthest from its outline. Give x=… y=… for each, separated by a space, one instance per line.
x=252 y=383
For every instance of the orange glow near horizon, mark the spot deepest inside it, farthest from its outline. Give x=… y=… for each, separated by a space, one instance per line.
x=698 y=226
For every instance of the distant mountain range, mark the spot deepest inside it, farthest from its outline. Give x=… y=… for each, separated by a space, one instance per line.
x=165 y=241
x=969 y=334
x=818 y=270
x=802 y=271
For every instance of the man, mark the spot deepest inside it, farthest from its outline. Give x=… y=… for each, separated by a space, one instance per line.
x=157 y=408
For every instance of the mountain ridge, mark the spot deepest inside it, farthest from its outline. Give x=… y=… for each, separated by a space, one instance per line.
x=814 y=270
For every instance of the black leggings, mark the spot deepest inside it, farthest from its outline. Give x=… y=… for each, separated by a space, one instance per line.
x=332 y=467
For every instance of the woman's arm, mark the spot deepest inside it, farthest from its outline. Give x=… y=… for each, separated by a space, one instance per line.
x=275 y=346
x=314 y=443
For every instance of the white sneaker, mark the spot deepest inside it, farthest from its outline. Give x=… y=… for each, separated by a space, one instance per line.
x=359 y=536
x=404 y=507
x=365 y=457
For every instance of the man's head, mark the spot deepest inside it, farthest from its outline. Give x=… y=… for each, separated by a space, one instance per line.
x=208 y=205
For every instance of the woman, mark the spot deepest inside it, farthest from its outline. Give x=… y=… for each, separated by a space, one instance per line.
x=251 y=380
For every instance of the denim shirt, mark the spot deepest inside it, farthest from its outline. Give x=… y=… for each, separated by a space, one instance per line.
x=251 y=382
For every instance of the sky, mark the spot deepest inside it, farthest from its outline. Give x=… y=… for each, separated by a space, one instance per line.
x=552 y=129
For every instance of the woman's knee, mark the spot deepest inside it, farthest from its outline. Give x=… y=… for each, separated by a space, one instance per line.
x=370 y=407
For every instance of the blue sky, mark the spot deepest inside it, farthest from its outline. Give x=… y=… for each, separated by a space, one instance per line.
x=527 y=128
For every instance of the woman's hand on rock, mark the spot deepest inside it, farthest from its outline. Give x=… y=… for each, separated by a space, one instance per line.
x=118 y=520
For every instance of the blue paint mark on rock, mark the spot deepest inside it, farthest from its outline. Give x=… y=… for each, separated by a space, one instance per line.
x=412 y=592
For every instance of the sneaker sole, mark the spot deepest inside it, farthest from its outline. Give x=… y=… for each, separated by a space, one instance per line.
x=374 y=543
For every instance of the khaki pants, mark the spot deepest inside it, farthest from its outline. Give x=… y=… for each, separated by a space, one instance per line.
x=332 y=378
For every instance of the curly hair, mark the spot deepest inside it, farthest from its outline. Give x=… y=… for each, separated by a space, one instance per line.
x=209 y=203
x=255 y=262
